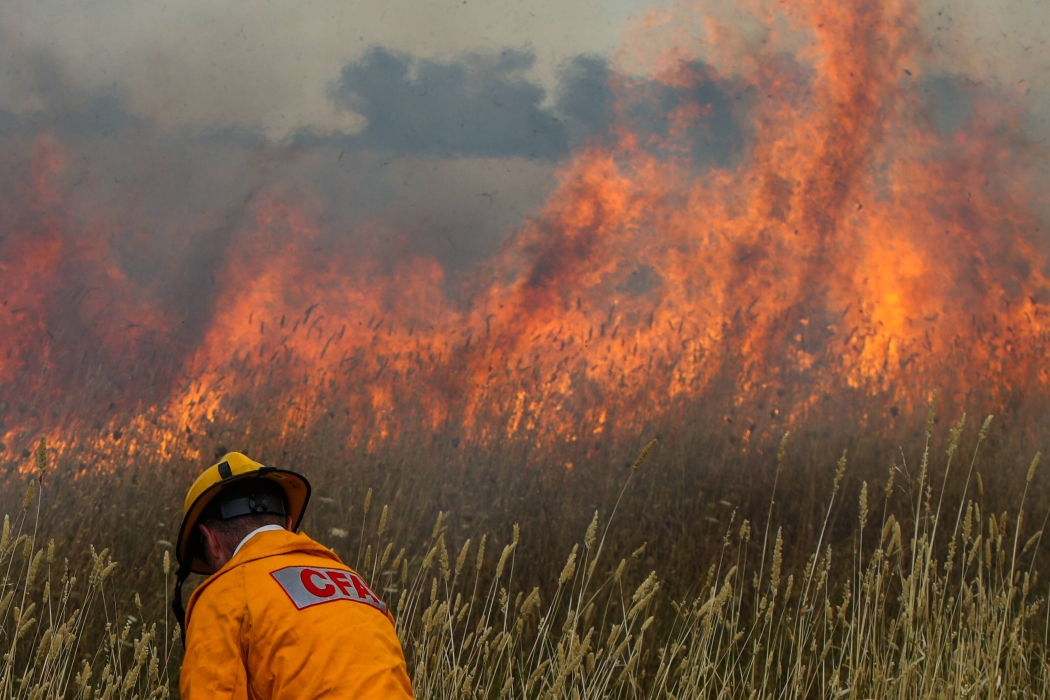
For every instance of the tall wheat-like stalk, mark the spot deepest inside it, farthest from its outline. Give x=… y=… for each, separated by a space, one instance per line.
x=911 y=610
x=59 y=636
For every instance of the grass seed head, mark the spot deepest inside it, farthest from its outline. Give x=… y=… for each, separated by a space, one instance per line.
x=782 y=449
x=644 y=455
x=479 y=561
x=531 y=603
x=437 y=524
x=461 y=560
x=592 y=531
x=446 y=570
x=386 y=555
x=30 y=490
x=984 y=428
x=840 y=471
x=34 y=567
x=1032 y=541
x=382 y=520
x=863 y=504
x=41 y=456
x=778 y=560
x=570 y=566
x=931 y=414
x=503 y=559
x=954 y=434
x=644 y=588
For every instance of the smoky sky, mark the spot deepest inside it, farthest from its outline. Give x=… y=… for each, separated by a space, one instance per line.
x=453 y=156
x=481 y=106
x=477 y=106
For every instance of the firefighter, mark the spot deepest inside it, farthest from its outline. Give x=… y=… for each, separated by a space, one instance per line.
x=279 y=616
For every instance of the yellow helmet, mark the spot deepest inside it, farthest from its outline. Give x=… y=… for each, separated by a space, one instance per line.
x=234 y=468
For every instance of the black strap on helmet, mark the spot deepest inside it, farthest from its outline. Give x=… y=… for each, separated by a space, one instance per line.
x=252 y=505
x=181 y=574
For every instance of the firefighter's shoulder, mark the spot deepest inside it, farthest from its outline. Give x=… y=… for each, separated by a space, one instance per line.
x=312 y=578
x=221 y=596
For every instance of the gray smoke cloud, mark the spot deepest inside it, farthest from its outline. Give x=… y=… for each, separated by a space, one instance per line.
x=477 y=106
x=481 y=106
x=452 y=156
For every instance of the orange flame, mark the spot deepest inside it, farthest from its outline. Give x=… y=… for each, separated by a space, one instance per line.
x=851 y=247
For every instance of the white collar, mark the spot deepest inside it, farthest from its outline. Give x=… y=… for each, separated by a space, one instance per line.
x=253 y=533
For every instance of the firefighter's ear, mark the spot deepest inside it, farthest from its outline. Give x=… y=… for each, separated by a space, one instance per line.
x=206 y=537
x=211 y=549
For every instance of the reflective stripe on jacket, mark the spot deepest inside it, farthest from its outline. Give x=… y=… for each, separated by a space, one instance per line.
x=285 y=619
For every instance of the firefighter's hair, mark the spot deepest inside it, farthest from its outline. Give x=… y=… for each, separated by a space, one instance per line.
x=234 y=530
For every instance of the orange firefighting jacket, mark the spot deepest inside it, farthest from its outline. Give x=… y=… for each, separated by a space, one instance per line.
x=285 y=619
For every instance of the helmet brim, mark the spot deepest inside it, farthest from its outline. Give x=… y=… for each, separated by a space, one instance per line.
x=296 y=490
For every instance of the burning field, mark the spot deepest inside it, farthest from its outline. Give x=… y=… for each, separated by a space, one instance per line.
x=789 y=218
x=761 y=230
x=854 y=241
x=798 y=223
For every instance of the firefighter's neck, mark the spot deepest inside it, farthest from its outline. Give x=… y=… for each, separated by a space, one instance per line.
x=219 y=549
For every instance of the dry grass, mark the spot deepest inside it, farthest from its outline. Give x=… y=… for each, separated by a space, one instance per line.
x=59 y=634
x=925 y=596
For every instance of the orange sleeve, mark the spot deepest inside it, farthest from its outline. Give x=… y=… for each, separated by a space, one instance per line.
x=214 y=664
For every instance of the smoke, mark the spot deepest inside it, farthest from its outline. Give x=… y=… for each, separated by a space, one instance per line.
x=121 y=229
x=478 y=106
x=130 y=235
x=452 y=156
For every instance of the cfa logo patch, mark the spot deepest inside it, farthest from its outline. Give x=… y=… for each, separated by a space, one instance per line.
x=309 y=585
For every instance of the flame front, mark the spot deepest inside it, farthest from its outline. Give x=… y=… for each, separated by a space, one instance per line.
x=849 y=247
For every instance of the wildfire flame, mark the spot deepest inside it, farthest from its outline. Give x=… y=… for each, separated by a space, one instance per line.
x=849 y=247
